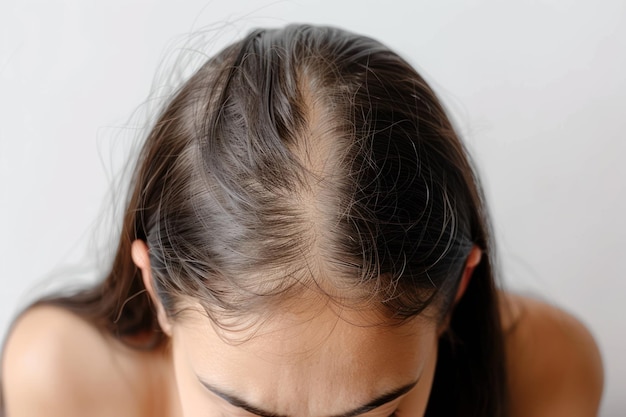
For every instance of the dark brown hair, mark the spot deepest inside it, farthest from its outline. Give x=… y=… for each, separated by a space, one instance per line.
x=311 y=156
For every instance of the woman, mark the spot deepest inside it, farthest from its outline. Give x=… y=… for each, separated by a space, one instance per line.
x=305 y=236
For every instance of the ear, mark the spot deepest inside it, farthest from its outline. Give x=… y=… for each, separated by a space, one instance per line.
x=473 y=259
x=139 y=253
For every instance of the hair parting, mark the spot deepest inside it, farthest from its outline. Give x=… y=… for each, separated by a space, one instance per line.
x=312 y=159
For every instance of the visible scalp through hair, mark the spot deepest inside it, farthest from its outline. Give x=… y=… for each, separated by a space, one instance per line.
x=311 y=158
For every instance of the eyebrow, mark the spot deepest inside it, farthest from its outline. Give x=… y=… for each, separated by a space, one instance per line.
x=371 y=405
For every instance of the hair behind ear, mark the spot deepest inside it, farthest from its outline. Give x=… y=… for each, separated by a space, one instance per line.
x=471 y=357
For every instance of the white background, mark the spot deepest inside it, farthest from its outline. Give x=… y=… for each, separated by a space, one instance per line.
x=537 y=89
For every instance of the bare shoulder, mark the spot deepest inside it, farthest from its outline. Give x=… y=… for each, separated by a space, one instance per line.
x=553 y=362
x=57 y=364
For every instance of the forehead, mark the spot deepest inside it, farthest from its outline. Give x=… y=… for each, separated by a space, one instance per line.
x=338 y=358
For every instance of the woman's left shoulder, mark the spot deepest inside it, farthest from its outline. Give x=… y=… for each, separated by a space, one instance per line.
x=553 y=362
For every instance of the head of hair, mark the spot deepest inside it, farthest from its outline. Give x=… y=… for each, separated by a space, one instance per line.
x=311 y=158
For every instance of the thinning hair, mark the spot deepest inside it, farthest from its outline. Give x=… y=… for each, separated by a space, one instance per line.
x=311 y=158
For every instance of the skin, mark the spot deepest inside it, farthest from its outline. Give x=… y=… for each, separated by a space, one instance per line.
x=317 y=361
x=336 y=368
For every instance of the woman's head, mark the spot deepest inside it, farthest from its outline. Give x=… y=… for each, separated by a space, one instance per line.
x=304 y=191
x=306 y=159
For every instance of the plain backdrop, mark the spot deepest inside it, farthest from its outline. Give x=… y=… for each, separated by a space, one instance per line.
x=536 y=88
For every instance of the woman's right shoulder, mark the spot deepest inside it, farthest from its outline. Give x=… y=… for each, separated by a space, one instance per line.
x=55 y=363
